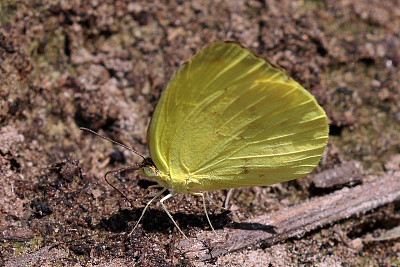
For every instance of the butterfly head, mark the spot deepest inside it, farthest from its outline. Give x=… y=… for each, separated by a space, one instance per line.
x=148 y=168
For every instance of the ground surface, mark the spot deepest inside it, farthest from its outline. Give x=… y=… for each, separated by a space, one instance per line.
x=103 y=65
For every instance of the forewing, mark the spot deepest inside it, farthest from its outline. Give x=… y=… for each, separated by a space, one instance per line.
x=230 y=119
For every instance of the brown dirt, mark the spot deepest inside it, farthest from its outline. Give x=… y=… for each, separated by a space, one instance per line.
x=103 y=65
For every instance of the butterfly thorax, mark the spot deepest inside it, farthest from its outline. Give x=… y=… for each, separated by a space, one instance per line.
x=183 y=183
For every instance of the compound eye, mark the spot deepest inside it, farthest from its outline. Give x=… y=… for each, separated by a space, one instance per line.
x=149 y=171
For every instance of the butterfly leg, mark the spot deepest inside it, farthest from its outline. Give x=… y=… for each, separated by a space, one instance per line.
x=228 y=196
x=213 y=202
x=147 y=205
x=169 y=214
x=150 y=187
x=205 y=209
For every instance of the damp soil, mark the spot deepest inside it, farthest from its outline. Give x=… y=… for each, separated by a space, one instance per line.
x=103 y=65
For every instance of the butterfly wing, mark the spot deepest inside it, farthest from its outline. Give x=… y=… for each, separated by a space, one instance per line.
x=231 y=119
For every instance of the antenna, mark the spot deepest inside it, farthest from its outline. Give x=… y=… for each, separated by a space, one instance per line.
x=112 y=141
x=129 y=168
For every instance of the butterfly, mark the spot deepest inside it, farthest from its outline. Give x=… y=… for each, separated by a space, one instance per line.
x=230 y=119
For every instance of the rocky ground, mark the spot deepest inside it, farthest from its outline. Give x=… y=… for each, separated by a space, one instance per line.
x=103 y=64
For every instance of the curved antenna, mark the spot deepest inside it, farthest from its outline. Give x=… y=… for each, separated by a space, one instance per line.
x=129 y=168
x=112 y=141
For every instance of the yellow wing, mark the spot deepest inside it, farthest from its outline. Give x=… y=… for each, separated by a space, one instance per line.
x=231 y=119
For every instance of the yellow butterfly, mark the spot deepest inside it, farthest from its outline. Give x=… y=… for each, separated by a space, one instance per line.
x=228 y=119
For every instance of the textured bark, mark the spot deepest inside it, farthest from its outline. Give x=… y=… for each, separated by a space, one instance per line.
x=348 y=172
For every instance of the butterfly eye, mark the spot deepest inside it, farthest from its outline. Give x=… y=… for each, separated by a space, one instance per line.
x=149 y=172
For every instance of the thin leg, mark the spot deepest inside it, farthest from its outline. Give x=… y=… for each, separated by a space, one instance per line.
x=150 y=187
x=169 y=214
x=145 y=208
x=228 y=196
x=213 y=202
x=205 y=209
